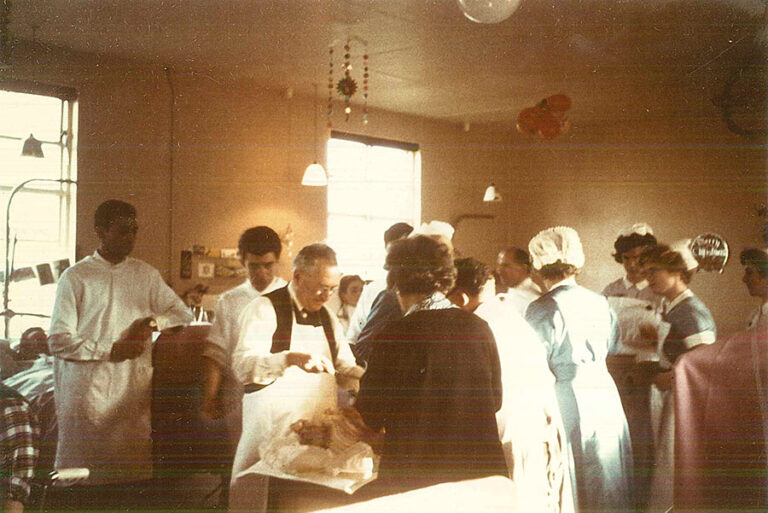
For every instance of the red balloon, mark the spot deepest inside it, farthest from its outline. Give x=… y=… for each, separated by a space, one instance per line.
x=558 y=103
x=528 y=120
x=549 y=125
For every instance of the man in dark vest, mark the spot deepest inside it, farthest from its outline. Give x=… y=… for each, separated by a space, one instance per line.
x=289 y=357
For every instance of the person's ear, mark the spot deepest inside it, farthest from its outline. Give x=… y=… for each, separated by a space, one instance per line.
x=458 y=298
x=99 y=231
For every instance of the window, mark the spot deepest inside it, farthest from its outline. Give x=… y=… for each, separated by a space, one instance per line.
x=42 y=212
x=372 y=184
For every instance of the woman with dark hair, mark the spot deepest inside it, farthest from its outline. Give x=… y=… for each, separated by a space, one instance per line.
x=350 y=288
x=579 y=330
x=628 y=247
x=669 y=271
x=433 y=380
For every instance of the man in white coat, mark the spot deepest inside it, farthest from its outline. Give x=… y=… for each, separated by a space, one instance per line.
x=259 y=249
x=290 y=347
x=514 y=273
x=107 y=306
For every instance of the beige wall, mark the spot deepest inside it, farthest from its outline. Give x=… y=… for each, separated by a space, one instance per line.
x=239 y=152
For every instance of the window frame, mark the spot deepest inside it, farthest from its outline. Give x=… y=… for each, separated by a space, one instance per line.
x=42 y=186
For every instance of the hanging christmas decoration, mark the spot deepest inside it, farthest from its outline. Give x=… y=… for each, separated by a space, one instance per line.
x=547 y=118
x=365 y=88
x=347 y=86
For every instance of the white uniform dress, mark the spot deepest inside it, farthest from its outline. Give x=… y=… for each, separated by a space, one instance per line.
x=103 y=407
x=579 y=330
x=291 y=394
x=691 y=324
x=529 y=420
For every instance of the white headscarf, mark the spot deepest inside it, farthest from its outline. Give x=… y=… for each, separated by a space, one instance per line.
x=638 y=228
x=559 y=243
x=683 y=247
x=437 y=230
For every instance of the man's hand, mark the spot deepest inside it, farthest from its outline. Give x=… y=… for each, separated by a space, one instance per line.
x=133 y=341
x=309 y=362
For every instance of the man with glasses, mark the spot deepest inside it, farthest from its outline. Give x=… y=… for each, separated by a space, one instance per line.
x=290 y=352
x=107 y=306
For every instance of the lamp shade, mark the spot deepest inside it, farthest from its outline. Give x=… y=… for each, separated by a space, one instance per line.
x=32 y=148
x=315 y=176
x=491 y=194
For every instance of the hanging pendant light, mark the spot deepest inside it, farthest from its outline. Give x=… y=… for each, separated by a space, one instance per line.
x=491 y=194
x=315 y=174
x=32 y=148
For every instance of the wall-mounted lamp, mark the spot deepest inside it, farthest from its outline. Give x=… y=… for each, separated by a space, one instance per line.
x=32 y=148
x=491 y=194
x=315 y=174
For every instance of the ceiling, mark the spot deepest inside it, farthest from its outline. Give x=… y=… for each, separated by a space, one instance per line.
x=612 y=57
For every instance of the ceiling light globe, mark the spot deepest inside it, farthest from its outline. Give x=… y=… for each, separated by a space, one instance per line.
x=488 y=11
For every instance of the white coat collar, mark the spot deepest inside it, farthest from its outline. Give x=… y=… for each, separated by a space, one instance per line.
x=639 y=285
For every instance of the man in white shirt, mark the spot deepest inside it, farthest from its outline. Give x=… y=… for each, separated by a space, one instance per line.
x=514 y=272
x=107 y=306
x=755 y=262
x=629 y=246
x=290 y=354
x=259 y=249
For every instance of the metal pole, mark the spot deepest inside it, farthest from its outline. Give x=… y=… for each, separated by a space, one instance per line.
x=6 y=313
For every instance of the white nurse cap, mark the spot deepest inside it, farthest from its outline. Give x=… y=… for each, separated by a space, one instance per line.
x=557 y=244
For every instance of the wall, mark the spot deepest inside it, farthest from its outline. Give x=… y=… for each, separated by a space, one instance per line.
x=219 y=155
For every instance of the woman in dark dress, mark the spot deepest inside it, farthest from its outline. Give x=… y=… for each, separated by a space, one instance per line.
x=433 y=380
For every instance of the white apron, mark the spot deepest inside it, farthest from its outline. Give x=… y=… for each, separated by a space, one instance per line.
x=294 y=396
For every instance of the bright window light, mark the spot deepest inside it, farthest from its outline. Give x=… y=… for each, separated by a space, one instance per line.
x=42 y=213
x=370 y=187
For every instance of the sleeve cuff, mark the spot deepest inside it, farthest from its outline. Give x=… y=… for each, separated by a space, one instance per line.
x=705 y=337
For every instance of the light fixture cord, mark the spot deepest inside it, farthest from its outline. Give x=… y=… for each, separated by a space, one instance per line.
x=314 y=107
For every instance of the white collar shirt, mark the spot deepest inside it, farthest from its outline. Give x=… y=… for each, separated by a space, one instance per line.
x=226 y=319
x=759 y=316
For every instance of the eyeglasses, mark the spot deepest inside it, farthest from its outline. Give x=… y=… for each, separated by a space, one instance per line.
x=324 y=289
